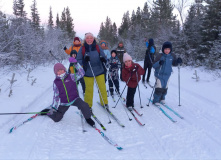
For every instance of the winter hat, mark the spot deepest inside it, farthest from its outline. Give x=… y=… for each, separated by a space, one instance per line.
x=76 y=39
x=88 y=34
x=114 y=51
x=151 y=42
x=73 y=52
x=104 y=43
x=167 y=45
x=58 y=66
x=127 y=57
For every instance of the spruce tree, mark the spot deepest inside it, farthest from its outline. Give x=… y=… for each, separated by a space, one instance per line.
x=57 y=21
x=50 y=19
x=69 y=24
x=63 y=21
x=35 y=18
x=20 y=9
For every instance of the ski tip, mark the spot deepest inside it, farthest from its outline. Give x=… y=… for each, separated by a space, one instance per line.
x=119 y=148
x=10 y=131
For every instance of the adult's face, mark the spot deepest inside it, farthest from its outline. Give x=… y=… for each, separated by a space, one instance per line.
x=89 y=40
x=120 y=45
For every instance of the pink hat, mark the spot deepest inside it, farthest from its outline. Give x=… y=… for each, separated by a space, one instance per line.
x=58 y=66
x=127 y=57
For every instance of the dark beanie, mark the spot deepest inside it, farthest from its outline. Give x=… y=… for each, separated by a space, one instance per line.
x=151 y=42
x=114 y=51
x=76 y=39
x=73 y=52
x=167 y=45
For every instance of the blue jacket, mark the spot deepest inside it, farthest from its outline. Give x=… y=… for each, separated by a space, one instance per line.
x=95 y=61
x=163 y=72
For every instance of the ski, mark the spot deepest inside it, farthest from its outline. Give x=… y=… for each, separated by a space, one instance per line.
x=108 y=139
x=165 y=113
x=150 y=84
x=144 y=85
x=137 y=112
x=142 y=124
x=113 y=116
x=29 y=119
x=96 y=119
x=177 y=114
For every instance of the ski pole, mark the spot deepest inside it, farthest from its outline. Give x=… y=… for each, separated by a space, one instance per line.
x=139 y=91
x=54 y=56
x=99 y=90
x=179 y=82
x=121 y=93
x=23 y=113
x=117 y=92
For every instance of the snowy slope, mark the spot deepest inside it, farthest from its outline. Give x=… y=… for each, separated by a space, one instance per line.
x=197 y=136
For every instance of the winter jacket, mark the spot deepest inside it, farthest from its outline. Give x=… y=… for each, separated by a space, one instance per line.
x=163 y=72
x=128 y=72
x=114 y=65
x=96 y=64
x=73 y=47
x=105 y=49
x=120 y=53
x=65 y=88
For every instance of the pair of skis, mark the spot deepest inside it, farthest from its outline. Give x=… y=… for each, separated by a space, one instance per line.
x=165 y=113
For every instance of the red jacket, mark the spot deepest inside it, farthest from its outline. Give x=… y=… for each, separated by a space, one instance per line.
x=128 y=72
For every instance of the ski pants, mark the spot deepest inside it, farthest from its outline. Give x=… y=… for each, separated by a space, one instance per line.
x=130 y=96
x=160 y=92
x=82 y=106
x=89 y=82
x=149 y=67
x=82 y=84
x=111 y=87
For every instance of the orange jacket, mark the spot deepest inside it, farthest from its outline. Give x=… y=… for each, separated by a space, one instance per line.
x=68 y=51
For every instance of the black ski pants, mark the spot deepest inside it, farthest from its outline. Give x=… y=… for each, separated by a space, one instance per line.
x=82 y=84
x=111 y=86
x=130 y=96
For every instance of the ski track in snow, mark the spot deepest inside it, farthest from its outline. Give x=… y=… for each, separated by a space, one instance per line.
x=197 y=136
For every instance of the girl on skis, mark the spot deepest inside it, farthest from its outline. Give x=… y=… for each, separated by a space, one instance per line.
x=131 y=74
x=114 y=65
x=65 y=91
x=163 y=68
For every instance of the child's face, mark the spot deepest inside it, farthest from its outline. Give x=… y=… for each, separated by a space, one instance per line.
x=113 y=54
x=167 y=50
x=128 y=63
x=61 y=71
x=103 y=45
x=120 y=45
x=74 y=55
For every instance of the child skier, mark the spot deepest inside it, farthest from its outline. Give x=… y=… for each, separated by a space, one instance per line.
x=163 y=68
x=65 y=90
x=114 y=65
x=131 y=74
x=73 y=70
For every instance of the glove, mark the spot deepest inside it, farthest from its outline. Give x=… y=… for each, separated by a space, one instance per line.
x=72 y=60
x=161 y=62
x=87 y=58
x=103 y=59
x=65 y=47
x=179 y=60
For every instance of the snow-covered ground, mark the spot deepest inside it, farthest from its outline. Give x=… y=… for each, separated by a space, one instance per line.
x=197 y=136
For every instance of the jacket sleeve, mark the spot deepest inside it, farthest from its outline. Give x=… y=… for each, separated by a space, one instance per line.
x=156 y=61
x=174 y=63
x=125 y=75
x=140 y=70
x=79 y=74
x=55 y=97
x=80 y=57
x=102 y=53
x=68 y=51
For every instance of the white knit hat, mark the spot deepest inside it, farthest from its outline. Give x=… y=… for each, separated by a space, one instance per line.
x=127 y=57
x=88 y=34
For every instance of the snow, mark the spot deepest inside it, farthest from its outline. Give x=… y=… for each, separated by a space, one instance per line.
x=197 y=136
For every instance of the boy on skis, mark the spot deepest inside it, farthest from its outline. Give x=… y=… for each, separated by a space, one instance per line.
x=65 y=91
x=114 y=65
x=131 y=74
x=163 y=68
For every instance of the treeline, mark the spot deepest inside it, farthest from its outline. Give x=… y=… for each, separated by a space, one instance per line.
x=24 y=42
x=197 y=39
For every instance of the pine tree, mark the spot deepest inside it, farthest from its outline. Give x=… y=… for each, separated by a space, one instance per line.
x=35 y=18
x=15 y=8
x=123 y=29
x=57 y=21
x=50 y=20
x=63 y=21
x=69 y=24
x=20 y=9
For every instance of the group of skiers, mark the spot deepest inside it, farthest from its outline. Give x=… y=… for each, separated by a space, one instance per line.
x=90 y=62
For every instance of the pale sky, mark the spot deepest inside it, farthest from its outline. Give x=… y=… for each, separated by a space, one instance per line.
x=87 y=14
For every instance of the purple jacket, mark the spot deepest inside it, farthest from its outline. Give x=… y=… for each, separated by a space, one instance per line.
x=67 y=89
